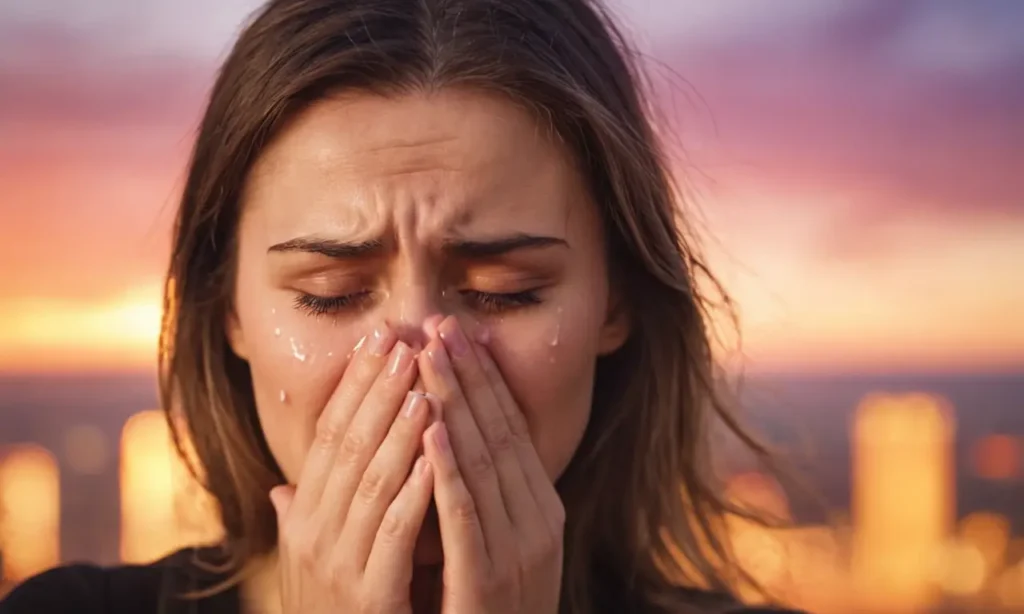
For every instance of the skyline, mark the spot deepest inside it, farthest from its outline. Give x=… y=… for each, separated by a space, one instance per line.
x=856 y=167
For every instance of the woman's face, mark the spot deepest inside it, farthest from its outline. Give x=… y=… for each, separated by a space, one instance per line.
x=367 y=209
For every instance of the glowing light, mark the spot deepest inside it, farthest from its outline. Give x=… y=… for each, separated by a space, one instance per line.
x=762 y=554
x=157 y=493
x=997 y=457
x=902 y=498
x=990 y=535
x=800 y=566
x=1010 y=588
x=797 y=566
x=962 y=569
x=117 y=332
x=29 y=512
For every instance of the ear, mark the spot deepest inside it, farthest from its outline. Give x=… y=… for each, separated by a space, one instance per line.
x=616 y=326
x=236 y=338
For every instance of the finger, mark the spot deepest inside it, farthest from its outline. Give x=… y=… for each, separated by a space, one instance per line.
x=523 y=510
x=537 y=478
x=435 y=402
x=391 y=557
x=462 y=536
x=368 y=359
x=366 y=431
x=384 y=477
x=281 y=498
x=476 y=464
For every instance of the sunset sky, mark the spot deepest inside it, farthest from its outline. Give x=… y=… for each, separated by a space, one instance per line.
x=858 y=168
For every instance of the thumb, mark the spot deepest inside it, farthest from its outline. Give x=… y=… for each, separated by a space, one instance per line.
x=281 y=498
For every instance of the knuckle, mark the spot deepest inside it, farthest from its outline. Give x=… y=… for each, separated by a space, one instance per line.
x=336 y=573
x=464 y=511
x=518 y=427
x=450 y=397
x=393 y=526
x=371 y=486
x=330 y=571
x=497 y=434
x=477 y=386
x=352 y=448
x=480 y=464
x=303 y=548
x=327 y=433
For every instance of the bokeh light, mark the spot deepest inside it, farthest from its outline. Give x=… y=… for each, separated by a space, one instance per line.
x=29 y=511
x=902 y=503
x=162 y=509
x=997 y=457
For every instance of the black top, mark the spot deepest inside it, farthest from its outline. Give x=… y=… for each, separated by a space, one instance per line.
x=162 y=588
x=158 y=588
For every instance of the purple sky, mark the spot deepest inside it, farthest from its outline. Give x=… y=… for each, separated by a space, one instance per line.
x=859 y=164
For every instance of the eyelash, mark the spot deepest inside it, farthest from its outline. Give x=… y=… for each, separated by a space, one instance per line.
x=484 y=302
x=317 y=305
x=494 y=302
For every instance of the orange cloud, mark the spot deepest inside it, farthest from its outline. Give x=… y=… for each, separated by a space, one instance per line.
x=117 y=333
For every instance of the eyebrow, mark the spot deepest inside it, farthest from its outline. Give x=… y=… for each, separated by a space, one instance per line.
x=328 y=247
x=500 y=246
x=490 y=248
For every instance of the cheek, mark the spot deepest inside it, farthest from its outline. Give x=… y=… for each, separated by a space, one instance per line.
x=549 y=367
x=296 y=363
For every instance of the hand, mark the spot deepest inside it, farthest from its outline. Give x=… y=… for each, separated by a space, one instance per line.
x=346 y=533
x=500 y=516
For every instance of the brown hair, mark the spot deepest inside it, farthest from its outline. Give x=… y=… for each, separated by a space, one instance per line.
x=644 y=514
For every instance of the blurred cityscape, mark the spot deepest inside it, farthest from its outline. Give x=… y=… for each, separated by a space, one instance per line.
x=924 y=495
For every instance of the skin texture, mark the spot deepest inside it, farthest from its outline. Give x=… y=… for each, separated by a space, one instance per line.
x=398 y=191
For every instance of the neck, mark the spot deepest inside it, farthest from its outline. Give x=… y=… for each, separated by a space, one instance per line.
x=261 y=590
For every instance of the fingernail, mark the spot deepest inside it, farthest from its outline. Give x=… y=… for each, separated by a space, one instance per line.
x=413 y=404
x=441 y=437
x=438 y=357
x=401 y=358
x=421 y=466
x=434 y=402
x=431 y=323
x=454 y=339
x=362 y=340
x=381 y=340
x=482 y=335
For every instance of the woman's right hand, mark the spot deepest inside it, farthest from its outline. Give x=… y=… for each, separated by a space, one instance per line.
x=346 y=531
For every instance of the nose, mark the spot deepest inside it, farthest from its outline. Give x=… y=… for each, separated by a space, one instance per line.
x=410 y=311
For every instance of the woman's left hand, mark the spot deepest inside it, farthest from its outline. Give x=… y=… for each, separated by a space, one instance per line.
x=501 y=519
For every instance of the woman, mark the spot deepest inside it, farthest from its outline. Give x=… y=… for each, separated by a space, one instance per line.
x=427 y=290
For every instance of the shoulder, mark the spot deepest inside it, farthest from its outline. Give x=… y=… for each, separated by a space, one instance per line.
x=695 y=601
x=64 y=589
x=89 y=589
x=762 y=610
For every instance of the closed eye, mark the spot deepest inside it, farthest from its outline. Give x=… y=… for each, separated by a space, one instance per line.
x=486 y=303
x=325 y=305
x=498 y=302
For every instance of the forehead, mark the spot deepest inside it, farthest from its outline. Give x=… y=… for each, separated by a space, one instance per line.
x=453 y=159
